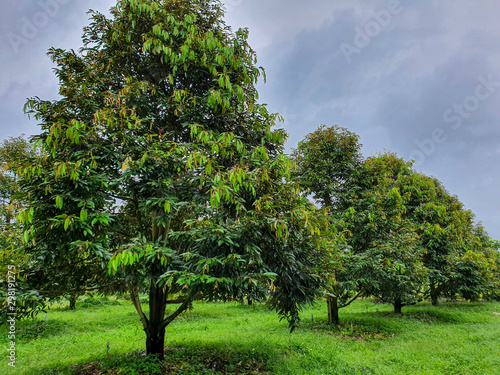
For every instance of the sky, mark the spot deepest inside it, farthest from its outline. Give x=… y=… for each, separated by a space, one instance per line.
x=421 y=79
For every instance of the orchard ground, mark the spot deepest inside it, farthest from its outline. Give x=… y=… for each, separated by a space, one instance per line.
x=453 y=338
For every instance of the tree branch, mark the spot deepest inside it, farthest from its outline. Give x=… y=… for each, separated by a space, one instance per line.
x=47 y=292
x=177 y=312
x=59 y=267
x=134 y=294
x=123 y=233
x=352 y=300
x=123 y=198
x=174 y=301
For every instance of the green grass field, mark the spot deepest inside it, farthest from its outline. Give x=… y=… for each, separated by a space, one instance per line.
x=453 y=338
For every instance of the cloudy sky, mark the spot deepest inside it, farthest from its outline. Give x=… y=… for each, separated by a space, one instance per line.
x=421 y=79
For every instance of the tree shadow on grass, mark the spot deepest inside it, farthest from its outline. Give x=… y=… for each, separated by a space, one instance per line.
x=32 y=330
x=358 y=328
x=440 y=314
x=188 y=360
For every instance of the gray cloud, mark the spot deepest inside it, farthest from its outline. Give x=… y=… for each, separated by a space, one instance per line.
x=397 y=89
x=421 y=60
x=28 y=29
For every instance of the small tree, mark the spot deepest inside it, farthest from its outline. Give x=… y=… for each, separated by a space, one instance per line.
x=454 y=251
x=442 y=225
x=384 y=239
x=15 y=153
x=394 y=270
x=328 y=159
x=492 y=250
x=159 y=161
x=344 y=280
x=475 y=270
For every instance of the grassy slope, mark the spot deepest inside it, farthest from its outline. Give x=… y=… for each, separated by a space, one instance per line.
x=454 y=339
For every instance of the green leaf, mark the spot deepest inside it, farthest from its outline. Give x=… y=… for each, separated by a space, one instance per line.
x=59 y=202
x=125 y=164
x=83 y=215
x=125 y=257
x=66 y=223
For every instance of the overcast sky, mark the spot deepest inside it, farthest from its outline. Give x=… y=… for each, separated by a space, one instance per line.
x=421 y=79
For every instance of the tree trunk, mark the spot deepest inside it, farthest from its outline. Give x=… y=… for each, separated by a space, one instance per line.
x=155 y=341
x=250 y=302
x=155 y=333
x=434 y=294
x=398 y=305
x=72 y=301
x=154 y=327
x=333 y=310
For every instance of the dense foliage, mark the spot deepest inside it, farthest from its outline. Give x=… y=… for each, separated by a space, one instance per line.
x=159 y=166
x=14 y=262
x=157 y=171
x=405 y=237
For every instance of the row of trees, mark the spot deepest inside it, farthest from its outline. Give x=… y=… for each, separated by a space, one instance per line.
x=158 y=171
x=405 y=237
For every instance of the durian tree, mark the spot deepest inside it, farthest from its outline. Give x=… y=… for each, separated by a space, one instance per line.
x=159 y=162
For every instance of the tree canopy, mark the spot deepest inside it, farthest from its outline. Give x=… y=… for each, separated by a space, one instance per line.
x=159 y=162
x=15 y=153
x=405 y=237
x=158 y=171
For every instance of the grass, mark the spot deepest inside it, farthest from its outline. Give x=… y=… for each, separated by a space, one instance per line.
x=453 y=338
